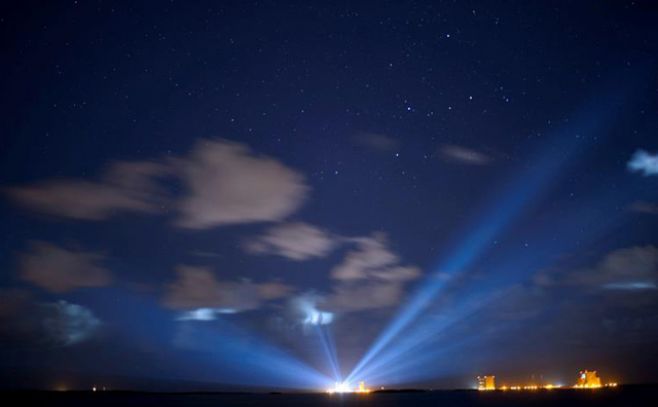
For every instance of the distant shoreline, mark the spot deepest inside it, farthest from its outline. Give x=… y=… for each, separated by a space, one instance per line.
x=301 y=392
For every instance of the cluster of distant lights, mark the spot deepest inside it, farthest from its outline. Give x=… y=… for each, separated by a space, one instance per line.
x=587 y=380
x=551 y=387
x=594 y=386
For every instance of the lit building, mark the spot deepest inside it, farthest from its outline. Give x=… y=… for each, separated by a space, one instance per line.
x=486 y=383
x=362 y=388
x=588 y=379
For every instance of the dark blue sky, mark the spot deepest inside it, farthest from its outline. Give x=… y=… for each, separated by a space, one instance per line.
x=284 y=194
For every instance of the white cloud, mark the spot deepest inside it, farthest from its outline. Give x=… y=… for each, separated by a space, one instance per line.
x=644 y=162
x=464 y=155
x=373 y=259
x=369 y=277
x=226 y=183
x=60 y=270
x=296 y=241
x=197 y=287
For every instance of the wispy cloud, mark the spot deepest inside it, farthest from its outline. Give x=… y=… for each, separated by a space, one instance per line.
x=463 y=155
x=125 y=187
x=630 y=268
x=365 y=296
x=633 y=285
x=644 y=162
x=376 y=141
x=204 y=314
x=645 y=207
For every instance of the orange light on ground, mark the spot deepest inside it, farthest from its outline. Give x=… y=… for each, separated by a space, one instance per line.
x=486 y=382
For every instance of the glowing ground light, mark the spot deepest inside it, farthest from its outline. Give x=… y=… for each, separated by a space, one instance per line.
x=340 y=387
x=346 y=387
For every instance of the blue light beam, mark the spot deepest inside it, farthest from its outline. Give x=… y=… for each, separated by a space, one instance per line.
x=330 y=349
x=518 y=195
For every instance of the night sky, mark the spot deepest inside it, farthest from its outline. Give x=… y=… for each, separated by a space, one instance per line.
x=285 y=194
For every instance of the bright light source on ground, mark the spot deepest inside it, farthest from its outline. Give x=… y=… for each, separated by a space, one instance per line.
x=341 y=387
x=346 y=387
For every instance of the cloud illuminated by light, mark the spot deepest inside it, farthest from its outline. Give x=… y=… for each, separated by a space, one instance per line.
x=306 y=305
x=644 y=162
x=204 y=314
x=67 y=323
x=633 y=285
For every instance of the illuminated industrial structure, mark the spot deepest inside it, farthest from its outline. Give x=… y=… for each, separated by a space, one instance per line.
x=486 y=382
x=587 y=379
x=362 y=388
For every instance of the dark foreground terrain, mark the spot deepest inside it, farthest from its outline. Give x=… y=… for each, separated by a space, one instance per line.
x=622 y=396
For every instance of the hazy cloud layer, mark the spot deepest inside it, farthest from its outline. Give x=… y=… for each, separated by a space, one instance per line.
x=197 y=287
x=60 y=270
x=376 y=141
x=296 y=241
x=126 y=187
x=633 y=268
x=364 y=296
x=644 y=162
x=463 y=155
x=645 y=207
x=223 y=182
